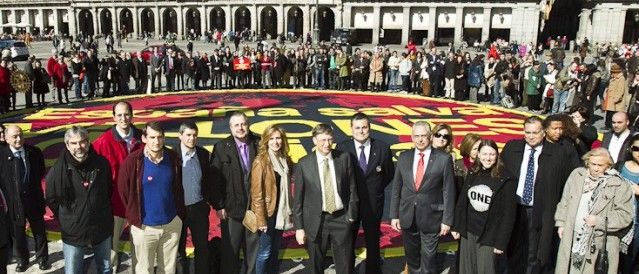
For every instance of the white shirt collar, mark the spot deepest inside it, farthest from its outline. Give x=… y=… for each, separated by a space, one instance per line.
x=13 y=150
x=187 y=152
x=365 y=144
x=321 y=157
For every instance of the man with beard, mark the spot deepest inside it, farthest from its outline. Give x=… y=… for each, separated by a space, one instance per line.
x=22 y=170
x=82 y=177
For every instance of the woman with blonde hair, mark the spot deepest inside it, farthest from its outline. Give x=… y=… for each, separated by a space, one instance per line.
x=270 y=177
x=596 y=201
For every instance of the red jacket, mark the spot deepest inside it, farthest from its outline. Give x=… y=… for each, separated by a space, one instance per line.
x=5 y=82
x=60 y=79
x=51 y=64
x=112 y=147
x=130 y=185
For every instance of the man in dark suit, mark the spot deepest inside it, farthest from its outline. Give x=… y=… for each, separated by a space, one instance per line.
x=170 y=65
x=230 y=165
x=195 y=181
x=325 y=203
x=22 y=169
x=541 y=169
x=216 y=70
x=435 y=71
x=616 y=141
x=423 y=200
x=140 y=73
x=5 y=238
x=374 y=170
x=156 y=70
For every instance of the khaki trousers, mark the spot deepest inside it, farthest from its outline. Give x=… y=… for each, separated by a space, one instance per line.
x=119 y=224
x=156 y=242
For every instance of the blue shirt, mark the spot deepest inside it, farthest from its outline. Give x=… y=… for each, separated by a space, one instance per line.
x=158 y=203
x=191 y=177
x=634 y=179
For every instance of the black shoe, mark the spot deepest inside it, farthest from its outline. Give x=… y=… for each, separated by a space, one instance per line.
x=22 y=267
x=44 y=265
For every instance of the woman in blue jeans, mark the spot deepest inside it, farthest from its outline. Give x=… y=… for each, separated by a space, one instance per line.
x=270 y=176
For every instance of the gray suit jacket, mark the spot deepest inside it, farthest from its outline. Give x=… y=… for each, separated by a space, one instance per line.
x=430 y=205
x=307 y=193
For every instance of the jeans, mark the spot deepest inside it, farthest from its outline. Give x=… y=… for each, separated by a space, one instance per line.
x=497 y=92
x=392 y=79
x=319 y=78
x=629 y=261
x=268 y=250
x=74 y=257
x=561 y=97
x=77 y=87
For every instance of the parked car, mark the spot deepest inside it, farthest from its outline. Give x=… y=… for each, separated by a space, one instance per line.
x=19 y=50
x=147 y=52
x=343 y=36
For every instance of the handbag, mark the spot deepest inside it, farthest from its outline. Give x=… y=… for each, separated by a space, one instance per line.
x=250 y=221
x=601 y=264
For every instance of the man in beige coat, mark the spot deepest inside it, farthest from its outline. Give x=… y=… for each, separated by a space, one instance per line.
x=616 y=97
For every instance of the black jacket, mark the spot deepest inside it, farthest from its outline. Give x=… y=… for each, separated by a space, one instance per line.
x=230 y=184
x=80 y=197
x=501 y=213
x=372 y=183
x=22 y=200
x=553 y=171
x=203 y=157
x=4 y=225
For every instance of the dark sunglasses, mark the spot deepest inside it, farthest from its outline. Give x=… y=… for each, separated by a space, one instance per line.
x=439 y=135
x=634 y=148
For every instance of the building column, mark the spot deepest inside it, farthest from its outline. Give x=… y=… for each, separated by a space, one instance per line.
x=347 y=16
x=281 y=27
x=406 y=23
x=40 y=23
x=136 y=25
x=56 y=22
x=255 y=15
x=203 y=19
x=621 y=20
x=432 y=23
x=377 y=18
x=73 y=25
x=180 y=22
x=584 y=24
x=306 y=25
x=485 y=29
x=339 y=20
x=228 y=18
x=459 y=25
x=156 y=20
x=114 y=20
x=12 y=19
x=96 y=21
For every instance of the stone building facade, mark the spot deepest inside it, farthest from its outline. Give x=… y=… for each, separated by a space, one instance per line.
x=387 y=22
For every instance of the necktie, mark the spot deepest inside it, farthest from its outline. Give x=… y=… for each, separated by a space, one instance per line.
x=20 y=167
x=530 y=175
x=244 y=153
x=362 y=159
x=329 y=194
x=419 y=175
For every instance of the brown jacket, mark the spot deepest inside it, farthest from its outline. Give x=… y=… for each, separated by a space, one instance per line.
x=617 y=95
x=130 y=185
x=264 y=191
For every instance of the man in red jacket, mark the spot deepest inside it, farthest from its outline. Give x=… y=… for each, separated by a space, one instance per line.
x=115 y=145
x=52 y=63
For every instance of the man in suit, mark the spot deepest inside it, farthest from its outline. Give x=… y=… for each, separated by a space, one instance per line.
x=540 y=169
x=170 y=65
x=140 y=73
x=231 y=165
x=5 y=238
x=156 y=70
x=616 y=141
x=435 y=72
x=22 y=169
x=216 y=70
x=423 y=200
x=374 y=170
x=325 y=203
x=195 y=181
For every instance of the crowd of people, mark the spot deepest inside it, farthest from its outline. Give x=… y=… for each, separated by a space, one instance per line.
x=551 y=201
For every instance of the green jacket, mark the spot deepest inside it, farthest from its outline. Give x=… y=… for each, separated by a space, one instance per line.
x=534 y=81
x=562 y=79
x=342 y=64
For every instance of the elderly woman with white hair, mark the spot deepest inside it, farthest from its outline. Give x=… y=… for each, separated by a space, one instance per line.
x=596 y=201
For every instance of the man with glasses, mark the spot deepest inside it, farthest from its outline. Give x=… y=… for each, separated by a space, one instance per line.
x=325 y=203
x=423 y=200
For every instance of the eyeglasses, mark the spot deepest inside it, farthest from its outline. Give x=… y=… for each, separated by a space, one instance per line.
x=439 y=135
x=634 y=148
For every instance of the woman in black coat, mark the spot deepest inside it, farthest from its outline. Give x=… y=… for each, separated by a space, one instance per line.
x=40 y=83
x=461 y=79
x=485 y=212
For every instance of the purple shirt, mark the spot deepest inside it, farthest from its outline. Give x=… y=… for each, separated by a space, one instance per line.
x=242 y=150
